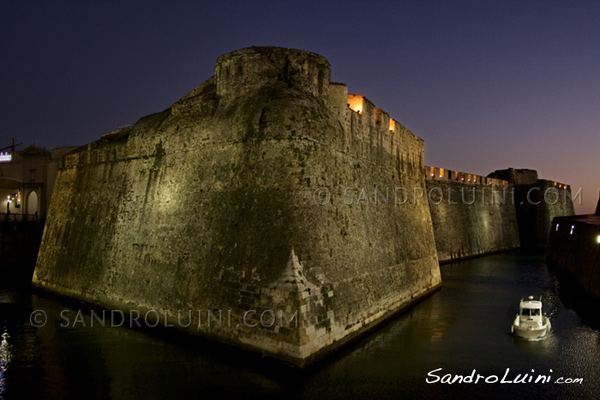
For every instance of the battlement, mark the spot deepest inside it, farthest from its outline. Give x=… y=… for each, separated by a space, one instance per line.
x=372 y=128
x=443 y=174
x=525 y=177
x=560 y=185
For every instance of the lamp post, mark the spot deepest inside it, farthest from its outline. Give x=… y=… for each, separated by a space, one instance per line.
x=7 y=207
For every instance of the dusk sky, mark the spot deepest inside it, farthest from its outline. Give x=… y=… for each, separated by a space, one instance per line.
x=487 y=84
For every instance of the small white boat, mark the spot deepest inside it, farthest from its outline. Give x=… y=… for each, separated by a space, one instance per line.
x=530 y=323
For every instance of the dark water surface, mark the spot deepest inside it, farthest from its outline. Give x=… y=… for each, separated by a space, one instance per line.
x=463 y=327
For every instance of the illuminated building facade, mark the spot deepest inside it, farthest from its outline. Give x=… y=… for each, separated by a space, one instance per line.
x=26 y=182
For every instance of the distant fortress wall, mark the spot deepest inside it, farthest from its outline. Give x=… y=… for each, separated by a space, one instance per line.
x=232 y=204
x=471 y=214
x=474 y=215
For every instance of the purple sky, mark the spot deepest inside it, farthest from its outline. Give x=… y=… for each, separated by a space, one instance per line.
x=488 y=85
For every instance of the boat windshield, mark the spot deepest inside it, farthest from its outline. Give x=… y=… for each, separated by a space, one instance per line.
x=531 y=312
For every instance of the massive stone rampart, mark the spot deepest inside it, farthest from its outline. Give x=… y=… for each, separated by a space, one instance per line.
x=230 y=203
x=472 y=215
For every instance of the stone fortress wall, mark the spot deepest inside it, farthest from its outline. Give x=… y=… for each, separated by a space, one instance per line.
x=233 y=204
x=210 y=206
x=474 y=215
x=471 y=214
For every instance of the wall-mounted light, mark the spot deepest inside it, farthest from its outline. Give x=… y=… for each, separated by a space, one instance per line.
x=355 y=102
x=598 y=239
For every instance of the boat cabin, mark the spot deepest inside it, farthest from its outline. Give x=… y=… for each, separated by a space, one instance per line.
x=530 y=308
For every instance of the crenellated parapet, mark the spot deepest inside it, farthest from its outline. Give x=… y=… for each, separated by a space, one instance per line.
x=471 y=214
x=370 y=129
x=444 y=174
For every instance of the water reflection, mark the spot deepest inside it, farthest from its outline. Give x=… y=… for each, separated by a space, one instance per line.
x=5 y=356
x=463 y=327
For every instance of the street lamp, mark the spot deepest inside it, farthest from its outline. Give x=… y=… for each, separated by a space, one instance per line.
x=7 y=205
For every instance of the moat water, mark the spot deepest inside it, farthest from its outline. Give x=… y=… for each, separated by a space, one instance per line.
x=465 y=327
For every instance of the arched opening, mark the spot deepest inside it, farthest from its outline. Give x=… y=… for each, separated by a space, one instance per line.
x=32 y=203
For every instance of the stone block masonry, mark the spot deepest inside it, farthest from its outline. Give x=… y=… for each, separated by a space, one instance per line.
x=210 y=205
x=472 y=215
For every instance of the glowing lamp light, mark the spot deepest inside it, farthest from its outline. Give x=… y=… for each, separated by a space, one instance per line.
x=572 y=229
x=598 y=239
x=355 y=102
x=392 y=125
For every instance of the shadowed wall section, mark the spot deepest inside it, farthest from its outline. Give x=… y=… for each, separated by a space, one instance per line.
x=537 y=202
x=574 y=249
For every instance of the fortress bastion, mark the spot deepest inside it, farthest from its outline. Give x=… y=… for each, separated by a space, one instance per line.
x=230 y=204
